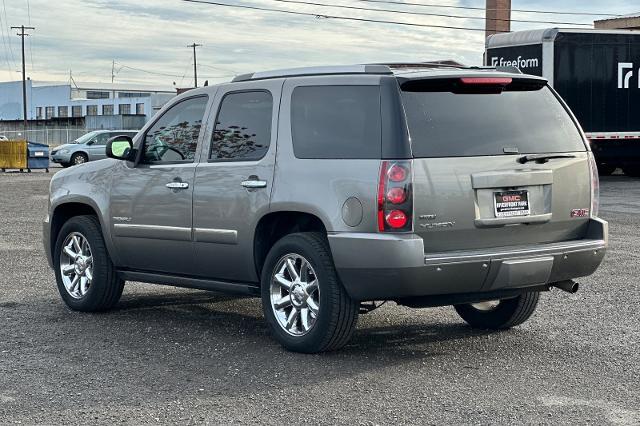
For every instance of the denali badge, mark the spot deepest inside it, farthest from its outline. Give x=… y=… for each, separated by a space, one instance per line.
x=579 y=212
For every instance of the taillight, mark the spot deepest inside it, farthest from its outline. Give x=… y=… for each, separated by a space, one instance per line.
x=595 y=185
x=395 y=201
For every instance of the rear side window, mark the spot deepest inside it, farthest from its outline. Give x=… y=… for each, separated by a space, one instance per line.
x=336 y=121
x=243 y=127
x=523 y=117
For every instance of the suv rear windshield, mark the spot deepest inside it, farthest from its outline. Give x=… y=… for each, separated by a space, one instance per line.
x=446 y=119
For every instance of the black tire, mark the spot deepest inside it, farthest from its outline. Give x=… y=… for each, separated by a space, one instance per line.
x=631 y=171
x=79 y=158
x=508 y=313
x=65 y=165
x=606 y=169
x=337 y=314
x=106 y=287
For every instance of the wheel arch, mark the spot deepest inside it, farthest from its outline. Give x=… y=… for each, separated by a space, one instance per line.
x=67 y=209
x=274 y=225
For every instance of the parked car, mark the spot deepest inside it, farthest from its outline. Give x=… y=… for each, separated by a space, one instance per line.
x=322 y=190
x=88 y=147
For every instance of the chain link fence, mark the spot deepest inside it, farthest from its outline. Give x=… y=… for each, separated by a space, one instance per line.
x=48 y=136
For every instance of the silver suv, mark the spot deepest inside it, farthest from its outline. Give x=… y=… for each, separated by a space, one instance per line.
x=88 y=147
x=323 y=190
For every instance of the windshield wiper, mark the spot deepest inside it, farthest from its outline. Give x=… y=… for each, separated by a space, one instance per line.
x=542 y=158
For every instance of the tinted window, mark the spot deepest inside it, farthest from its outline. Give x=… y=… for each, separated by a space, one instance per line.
x=174 y=136
x=527 y=118
x=336 y=122
x=243 y=127
x=102 y=138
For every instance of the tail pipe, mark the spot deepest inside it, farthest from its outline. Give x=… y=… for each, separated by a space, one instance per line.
x=569 y=286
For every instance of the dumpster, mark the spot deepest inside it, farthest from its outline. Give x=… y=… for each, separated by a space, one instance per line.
x=13 y=155
x=38 y=157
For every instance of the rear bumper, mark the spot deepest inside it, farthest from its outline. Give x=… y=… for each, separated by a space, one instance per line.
x=381 y=267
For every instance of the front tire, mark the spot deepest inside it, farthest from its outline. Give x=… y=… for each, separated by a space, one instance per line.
x=499 y=314
x=79 y=158
x=86 y=277
x=305 y=305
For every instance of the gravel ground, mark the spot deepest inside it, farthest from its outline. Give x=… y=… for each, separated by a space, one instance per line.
x=169 y=355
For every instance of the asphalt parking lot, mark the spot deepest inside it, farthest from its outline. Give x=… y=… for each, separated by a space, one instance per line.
x=168 y=355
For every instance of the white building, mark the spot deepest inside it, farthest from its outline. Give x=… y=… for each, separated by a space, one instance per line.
x=48 y=100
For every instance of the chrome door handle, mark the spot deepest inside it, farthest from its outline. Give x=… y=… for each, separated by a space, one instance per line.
x=177 y=185
x=251 y=184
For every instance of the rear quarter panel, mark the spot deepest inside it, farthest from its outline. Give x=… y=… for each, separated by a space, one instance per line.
x=322 y=186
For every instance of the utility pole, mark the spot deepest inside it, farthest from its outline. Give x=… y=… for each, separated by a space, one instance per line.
x=195 y=64
x=22 y=35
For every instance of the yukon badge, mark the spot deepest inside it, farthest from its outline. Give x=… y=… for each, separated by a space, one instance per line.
x=431 y=225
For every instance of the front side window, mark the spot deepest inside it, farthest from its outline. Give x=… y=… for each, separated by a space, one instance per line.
x=174 y=137
x=336 y=122
x=243 y=127
x=101 y=139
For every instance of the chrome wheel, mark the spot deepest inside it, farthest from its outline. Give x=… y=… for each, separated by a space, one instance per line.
x=487 y=306
x=76 y=265
x=295 y=296
x=79 y=159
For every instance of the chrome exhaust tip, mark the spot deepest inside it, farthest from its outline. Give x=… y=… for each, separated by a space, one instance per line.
x=569 y=286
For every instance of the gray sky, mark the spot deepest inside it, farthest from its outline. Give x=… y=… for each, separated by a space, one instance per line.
x=86 y=35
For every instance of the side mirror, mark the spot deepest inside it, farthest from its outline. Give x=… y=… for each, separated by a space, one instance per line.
x=120 y=147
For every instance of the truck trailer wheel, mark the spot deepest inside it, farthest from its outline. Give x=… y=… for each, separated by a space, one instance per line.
x=606 y=169
x=632 y=171
x=499 y=314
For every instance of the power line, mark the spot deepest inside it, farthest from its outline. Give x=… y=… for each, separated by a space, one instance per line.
x=6 y=22
x=551 y=12
x=6 y=50
x=325 y=16
x=444 y=15
x=30 y=47
x=165 y=74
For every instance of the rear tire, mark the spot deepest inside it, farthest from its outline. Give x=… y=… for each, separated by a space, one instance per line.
x=101 y=289
x=506 y=314
x=287 y=301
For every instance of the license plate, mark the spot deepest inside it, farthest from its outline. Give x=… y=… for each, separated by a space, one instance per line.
x=39 y=154
x=511 y=203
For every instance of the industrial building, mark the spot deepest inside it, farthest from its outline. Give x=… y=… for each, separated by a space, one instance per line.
x=62 y=111
x=625 y=22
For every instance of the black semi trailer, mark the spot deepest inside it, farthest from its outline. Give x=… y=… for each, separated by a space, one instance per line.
x=597 y=72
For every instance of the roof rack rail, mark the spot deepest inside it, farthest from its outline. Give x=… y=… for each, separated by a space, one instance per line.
x=379 y=69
